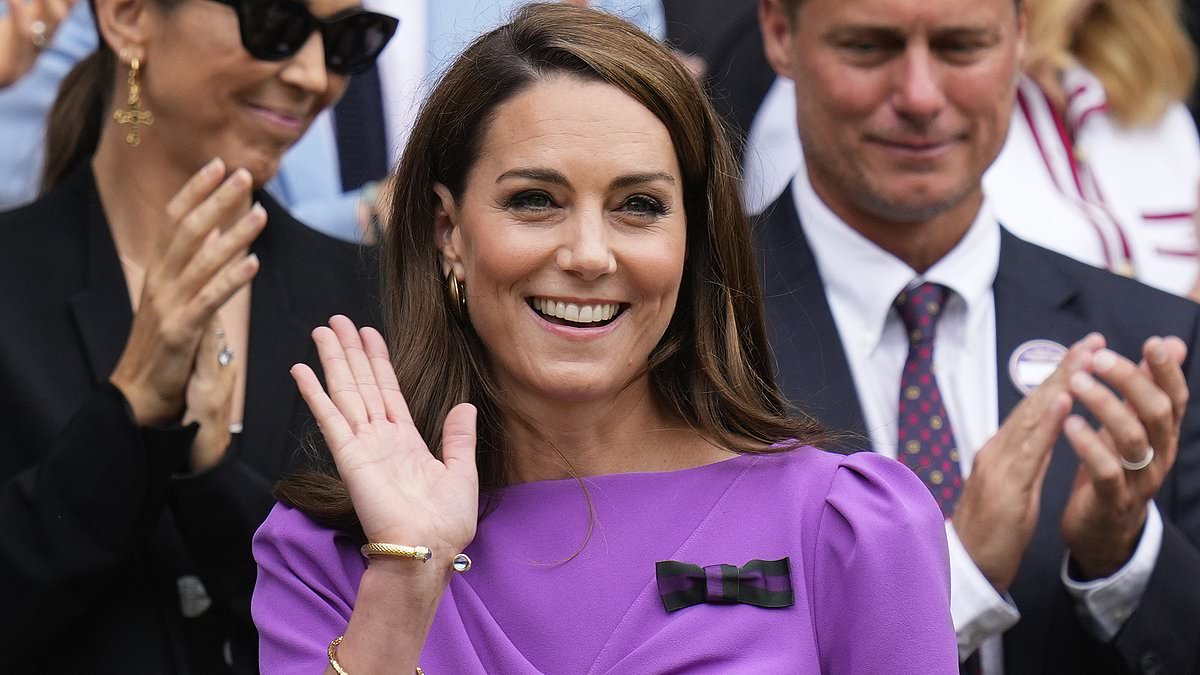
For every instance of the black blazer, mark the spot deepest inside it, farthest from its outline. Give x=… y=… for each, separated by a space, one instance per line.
x=726 y=34
x=97 y=524
x=1038 y=294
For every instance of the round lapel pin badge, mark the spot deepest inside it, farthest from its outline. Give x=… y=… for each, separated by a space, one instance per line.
x=1032 y=362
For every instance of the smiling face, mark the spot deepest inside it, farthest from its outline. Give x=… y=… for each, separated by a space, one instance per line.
x=901 y=104
x=570 y=240
x=210 y=98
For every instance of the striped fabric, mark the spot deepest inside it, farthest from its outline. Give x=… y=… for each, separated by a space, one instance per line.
x=763 y=583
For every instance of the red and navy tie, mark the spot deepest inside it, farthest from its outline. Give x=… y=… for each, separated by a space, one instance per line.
x=926 y=439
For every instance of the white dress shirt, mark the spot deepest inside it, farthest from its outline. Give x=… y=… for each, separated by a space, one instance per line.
x=861 y=287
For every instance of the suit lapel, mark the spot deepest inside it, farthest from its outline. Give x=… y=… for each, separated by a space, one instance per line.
x=1034 y=301
x=810 y=361
x=101 y=308
x=278 y=339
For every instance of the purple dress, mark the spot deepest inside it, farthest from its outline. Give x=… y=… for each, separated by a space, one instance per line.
x=864 y=540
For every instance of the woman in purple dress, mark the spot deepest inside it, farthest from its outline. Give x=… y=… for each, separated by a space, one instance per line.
x=579 y=399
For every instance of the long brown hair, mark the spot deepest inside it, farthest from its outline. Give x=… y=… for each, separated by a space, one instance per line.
x=712 y=367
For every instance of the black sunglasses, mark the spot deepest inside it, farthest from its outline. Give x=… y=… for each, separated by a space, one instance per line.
x=273 y=30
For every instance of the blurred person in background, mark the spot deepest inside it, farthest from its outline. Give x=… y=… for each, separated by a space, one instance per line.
x=155 y=298
x=1102 y=161
x=25 y=29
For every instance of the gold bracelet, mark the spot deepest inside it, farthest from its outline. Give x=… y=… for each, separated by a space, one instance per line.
x=337 y=667
x=421 y=553
x=460 y=562
x=333 y=662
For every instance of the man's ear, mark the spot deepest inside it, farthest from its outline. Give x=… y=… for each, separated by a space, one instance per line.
x=446 y=233
x=125 y=26
x=776 y=21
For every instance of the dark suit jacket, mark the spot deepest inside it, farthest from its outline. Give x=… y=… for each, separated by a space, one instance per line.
x=726 y=34
x=1038 y=294
x=96 y=524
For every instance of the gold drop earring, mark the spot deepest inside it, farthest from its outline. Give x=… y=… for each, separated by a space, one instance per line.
x=134 y=116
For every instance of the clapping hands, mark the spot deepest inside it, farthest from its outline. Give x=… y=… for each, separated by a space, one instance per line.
x=1138 y=406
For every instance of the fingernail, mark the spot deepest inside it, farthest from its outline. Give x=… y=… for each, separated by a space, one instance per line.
x=254 y=257
x=1103 y=360
x=1158 y=352
x=1074 y=424
x=258 y=208
x=1081 y=382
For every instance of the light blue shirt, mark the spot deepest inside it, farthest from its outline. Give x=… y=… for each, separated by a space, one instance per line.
x=25 y=104
x=309 y=178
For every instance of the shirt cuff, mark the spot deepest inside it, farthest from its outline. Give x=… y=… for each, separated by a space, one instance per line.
x=1105 y=604
x=979 y=611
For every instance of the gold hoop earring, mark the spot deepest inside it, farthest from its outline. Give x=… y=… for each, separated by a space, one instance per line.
x=457 y=293
x=134 y=116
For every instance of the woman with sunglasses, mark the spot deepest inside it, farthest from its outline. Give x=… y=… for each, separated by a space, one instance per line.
x=155 y=297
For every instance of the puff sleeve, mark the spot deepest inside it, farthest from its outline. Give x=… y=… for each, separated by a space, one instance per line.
x=881 y=581
x=308 y=580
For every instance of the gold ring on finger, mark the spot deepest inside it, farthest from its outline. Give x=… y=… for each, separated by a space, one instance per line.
x=37 y=33
x=1140 y=464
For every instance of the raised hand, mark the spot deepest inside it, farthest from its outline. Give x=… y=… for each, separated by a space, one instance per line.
x=1107 y=509
x=202 y=263
x=1003 y=492
x=401 y=492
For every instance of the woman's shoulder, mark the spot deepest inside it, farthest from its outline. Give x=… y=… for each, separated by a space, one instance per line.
x=57 y=213
x=856 y=485
x=289 y=538
x=307 y=582
x=867 y=485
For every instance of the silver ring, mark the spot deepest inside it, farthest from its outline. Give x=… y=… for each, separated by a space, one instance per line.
x=37 y=31
x=1140 y=464
x=225 y=356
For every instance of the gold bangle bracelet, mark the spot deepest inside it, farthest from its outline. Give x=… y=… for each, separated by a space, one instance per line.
x=459 y=563
x=337 y=667
x=333 y=662
x=421 y=553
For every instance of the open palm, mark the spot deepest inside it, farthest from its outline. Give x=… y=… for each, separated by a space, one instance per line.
x=401 y=492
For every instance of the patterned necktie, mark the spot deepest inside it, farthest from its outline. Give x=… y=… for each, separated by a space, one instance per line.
x=926 y=439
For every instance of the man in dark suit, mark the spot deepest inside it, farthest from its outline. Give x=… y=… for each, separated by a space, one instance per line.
x=901 y=310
